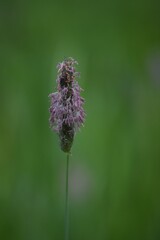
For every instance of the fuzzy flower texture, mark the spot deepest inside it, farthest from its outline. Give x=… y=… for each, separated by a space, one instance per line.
x=66 y=110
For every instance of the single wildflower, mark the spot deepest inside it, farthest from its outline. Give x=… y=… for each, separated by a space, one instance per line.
x=66 y=111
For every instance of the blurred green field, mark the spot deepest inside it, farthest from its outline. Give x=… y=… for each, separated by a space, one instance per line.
x=115 y=164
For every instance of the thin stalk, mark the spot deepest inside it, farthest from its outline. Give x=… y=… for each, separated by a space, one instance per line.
x=67 y=202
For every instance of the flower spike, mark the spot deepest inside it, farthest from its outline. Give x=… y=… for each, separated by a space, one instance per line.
x=66 y=111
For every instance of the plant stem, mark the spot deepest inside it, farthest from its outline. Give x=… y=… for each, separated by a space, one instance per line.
x=66 y=202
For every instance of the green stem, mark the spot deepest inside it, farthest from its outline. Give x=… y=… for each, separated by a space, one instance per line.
x=66 y=202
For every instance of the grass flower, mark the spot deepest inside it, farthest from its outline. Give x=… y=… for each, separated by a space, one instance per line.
x=66 y=111
x=67 y=115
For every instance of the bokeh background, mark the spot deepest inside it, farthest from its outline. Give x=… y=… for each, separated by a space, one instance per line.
x=115 y=163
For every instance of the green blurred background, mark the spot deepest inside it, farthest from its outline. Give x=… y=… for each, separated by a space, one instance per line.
x=115 y=164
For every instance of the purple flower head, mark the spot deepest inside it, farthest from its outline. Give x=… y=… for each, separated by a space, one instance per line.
x=66 y=110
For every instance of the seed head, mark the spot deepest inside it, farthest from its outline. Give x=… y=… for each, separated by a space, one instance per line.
x=66 y=111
